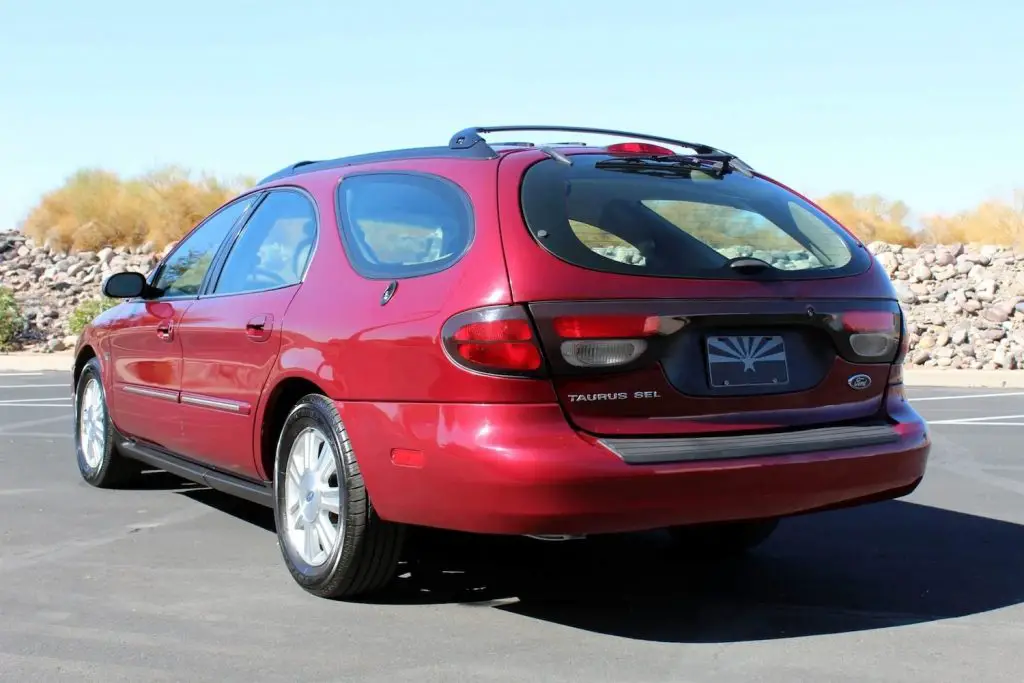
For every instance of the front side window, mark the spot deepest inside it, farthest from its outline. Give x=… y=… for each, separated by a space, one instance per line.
x=274 y=247
x=397 y=225
x=639 y=218
x=183 y=272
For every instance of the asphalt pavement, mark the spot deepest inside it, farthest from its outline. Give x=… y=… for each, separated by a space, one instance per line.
x=175 y=582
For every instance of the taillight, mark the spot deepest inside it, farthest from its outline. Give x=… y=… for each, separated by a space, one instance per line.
x=896 y=371
x=605 y=326
x=602 y=341
x=872 y=335
x=496 y=340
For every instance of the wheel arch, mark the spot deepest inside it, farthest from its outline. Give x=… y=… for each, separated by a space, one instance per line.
x=85 y=354
x=285 y=393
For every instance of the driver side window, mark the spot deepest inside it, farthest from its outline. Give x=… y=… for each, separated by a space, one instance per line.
x=183 y=272
x=274 y=247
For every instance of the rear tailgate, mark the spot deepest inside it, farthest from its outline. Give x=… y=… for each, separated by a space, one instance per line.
x=651 y=322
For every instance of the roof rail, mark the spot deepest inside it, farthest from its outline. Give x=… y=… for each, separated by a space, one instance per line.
x=470 y=137
x=300 y=167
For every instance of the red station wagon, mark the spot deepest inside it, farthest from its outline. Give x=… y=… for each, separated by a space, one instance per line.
x=552 y=341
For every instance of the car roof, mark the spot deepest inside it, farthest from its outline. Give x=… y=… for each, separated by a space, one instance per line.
x=469 y=144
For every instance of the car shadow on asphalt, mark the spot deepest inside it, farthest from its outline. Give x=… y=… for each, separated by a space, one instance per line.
x=877 y=566
x=159 y=480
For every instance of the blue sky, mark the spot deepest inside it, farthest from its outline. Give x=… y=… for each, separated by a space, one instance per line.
x=918 y=100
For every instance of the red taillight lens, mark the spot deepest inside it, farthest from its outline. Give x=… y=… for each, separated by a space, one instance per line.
x=502 y=355
x=870 y=321
x=606 y=326
x=896 y=371
x=494 y=331
x=638 y=148
x=496 y=340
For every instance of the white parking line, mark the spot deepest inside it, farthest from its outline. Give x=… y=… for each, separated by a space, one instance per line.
x=41 y=402
x=33 y=386
x=988 y=420
x=21 y=374
x=35 y=405
x=960 y=396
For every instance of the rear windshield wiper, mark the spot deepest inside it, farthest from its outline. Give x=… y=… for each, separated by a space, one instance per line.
x=674 y=164
x=748 y=266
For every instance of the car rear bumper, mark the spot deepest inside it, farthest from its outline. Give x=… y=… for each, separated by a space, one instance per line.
x=521 y=469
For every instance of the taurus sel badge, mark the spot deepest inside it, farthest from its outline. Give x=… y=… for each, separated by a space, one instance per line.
x=859 y=382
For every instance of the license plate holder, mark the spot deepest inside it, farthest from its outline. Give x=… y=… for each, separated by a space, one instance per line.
x=743 y=360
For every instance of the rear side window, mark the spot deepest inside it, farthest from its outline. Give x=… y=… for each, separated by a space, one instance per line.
x=652 y=219
x=398 y=225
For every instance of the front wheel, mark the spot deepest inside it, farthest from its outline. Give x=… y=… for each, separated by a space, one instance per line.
x=723 y=540
x=100 y=462
x=332 y=540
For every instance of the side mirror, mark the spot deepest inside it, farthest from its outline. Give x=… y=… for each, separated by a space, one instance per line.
x=126 y=285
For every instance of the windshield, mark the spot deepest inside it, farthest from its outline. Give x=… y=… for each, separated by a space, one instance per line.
x=680 y=222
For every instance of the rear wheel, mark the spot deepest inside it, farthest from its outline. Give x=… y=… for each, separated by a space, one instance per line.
x=100 y=462
x=332 y=540
x=723 y=540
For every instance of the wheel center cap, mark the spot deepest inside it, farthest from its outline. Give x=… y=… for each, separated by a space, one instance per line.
x=310 y=506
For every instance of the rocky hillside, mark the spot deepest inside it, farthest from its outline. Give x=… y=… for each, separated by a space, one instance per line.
x=49 y=286
x=965 y=303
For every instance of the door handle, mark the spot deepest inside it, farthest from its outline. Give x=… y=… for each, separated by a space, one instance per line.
x=165 y=330
x=259 y=327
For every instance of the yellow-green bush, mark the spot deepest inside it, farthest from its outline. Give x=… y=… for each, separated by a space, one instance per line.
x=11 y=321
x=97 y=208
x=87 y=311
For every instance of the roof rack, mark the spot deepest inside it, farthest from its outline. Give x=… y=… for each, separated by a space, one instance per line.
x=468 y=144
x=470 y=138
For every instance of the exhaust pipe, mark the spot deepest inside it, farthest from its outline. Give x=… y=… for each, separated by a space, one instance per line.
x=557 y=537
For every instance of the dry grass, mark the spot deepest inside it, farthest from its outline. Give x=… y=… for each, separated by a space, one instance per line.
x=96 y=208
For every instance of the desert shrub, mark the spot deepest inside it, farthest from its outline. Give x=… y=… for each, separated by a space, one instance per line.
x=992 y=222
x=11 y=320
x=87 y=311
x=95 y=208
x=872 y=217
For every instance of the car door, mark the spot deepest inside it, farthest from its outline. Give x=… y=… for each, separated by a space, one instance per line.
x=146 y=351
x=231 y=335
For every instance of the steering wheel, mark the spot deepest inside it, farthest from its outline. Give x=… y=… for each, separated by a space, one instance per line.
x=301 y=257
x=269 y=275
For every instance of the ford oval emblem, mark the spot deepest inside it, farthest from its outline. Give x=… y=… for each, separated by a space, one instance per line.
x=859 y=382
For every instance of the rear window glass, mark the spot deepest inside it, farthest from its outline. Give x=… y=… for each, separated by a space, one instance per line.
x=688 y=224
x=399 y=225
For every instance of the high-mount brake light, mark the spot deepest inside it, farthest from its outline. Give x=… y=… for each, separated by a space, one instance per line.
x=638 y=148
x=497 y=340
x=602 y=341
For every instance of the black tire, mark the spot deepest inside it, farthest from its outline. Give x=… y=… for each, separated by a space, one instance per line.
x=112 y=469
x=366 y=560
x=723 y=540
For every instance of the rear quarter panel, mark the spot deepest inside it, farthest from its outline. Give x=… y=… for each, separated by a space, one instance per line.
x=339 y=335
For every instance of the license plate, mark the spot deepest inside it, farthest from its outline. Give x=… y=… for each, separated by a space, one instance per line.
x=747 y=361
